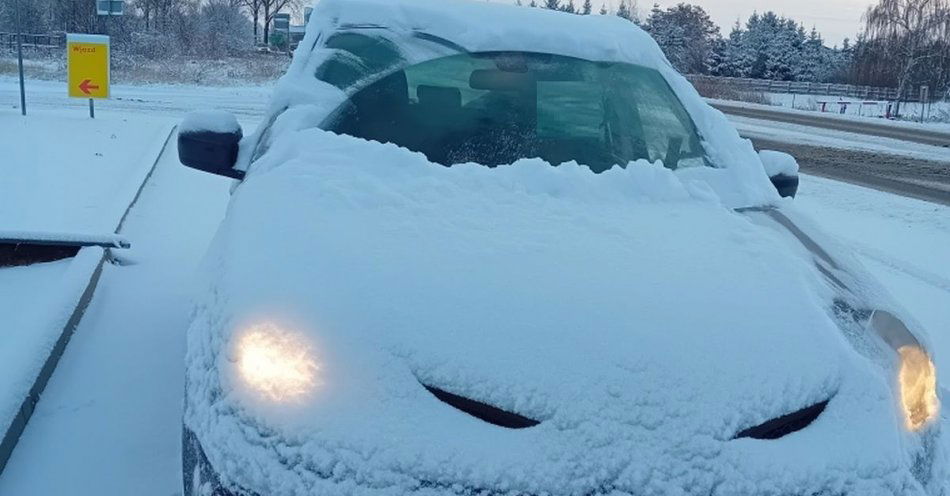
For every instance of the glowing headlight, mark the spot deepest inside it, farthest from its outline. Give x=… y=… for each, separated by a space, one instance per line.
x=276 y=363
x=918 y=382
x=917 y=376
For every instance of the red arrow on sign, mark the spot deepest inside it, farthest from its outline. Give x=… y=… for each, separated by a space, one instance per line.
x=85 y=86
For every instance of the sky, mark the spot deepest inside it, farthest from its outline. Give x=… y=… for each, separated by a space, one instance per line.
x=834 y=19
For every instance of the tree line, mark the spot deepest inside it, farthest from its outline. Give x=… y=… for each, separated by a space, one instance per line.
x=903 y=44
x=156 y=28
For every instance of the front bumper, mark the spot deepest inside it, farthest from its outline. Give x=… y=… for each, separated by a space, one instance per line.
x=198 y=476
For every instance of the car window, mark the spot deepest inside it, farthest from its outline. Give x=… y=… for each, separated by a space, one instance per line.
x=357 y=56
x=495 y=108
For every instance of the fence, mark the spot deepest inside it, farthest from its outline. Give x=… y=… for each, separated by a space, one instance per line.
x=805 y=88
x=33 y=41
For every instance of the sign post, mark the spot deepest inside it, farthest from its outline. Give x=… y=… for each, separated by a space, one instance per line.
x=110 y=7
x=19 y=56
x=106 y=9
x=87 y=61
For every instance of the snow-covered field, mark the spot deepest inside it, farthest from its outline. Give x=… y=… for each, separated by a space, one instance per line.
x=110 y=420
x=794 y=133
x=145 y=101
x=936 y=114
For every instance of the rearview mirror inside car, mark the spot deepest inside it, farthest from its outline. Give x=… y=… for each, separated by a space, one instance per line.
x=782 y=170
x=208 y=141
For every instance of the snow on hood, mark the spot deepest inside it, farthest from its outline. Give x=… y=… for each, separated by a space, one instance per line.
x=639 y=319
x=483 y=26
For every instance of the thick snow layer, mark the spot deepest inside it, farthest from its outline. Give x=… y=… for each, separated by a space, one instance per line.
x=301 y=101
x=776 y=163
x=113 y=240
x=630 y=311
x=216 y=121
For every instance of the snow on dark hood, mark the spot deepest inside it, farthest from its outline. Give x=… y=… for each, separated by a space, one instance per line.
x=641 y=321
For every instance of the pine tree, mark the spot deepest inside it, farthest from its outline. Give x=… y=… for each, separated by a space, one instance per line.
x=603 y=9
x=552 y=4
x=569 y=7
x=624 y=11
x=687 y=36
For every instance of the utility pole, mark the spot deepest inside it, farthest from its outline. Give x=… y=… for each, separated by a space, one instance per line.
x=19 y=54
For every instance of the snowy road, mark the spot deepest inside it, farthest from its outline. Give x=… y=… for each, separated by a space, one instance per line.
x=109 y=421
x=911 y=169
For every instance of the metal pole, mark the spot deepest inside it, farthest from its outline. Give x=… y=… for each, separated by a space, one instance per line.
x=92 y=109
x=19 y=51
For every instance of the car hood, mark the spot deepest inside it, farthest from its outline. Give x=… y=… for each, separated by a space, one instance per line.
x=640 y=321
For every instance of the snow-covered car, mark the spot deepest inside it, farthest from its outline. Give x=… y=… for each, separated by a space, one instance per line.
x=483 y=249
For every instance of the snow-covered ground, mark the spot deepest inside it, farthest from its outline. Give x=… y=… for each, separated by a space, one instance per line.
x=67 y=173
x=781 y=105
x=149 y=100
x=35 y=304
x=110 y=419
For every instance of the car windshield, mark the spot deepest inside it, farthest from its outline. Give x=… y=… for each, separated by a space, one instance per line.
x=495 y=108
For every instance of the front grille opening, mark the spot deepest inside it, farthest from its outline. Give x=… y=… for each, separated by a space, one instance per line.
x=786 y=424
x=483 y=411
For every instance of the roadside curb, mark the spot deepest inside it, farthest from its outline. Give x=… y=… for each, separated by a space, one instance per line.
x=14 y=431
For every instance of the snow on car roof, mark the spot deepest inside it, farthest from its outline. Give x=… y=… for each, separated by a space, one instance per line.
x=482 y=26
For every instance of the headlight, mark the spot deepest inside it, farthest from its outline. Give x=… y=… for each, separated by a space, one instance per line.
x=918 y=382
x=917 y=376
x=277 y=363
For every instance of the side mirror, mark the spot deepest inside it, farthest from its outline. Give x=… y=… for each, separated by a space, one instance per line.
x=782 y=169
x=208 y=141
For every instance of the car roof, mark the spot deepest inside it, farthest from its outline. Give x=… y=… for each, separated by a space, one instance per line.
x=478 y=26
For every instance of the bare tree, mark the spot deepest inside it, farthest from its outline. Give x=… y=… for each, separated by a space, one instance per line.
x=254 y=8
x=273 y=7
x=157 y=13
x=224 y=29
x=911 y=32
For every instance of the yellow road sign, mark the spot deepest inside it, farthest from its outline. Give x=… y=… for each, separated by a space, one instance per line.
x=87 y=61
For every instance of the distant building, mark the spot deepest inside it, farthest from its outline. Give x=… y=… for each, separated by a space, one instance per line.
x=296 y=35
x=280 y=37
